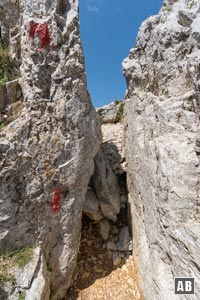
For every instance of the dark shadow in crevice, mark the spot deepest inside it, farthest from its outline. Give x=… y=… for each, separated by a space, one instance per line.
x=113 y=157
x=3 y=293
x=95 y=261
x=115 y=161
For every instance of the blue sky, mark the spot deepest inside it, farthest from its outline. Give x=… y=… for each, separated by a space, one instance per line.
x=108 y=31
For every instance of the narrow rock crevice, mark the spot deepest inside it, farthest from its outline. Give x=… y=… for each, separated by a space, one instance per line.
x=105 y=264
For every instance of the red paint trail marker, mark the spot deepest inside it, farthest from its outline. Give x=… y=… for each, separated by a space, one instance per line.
x=55 y=201
x=43 y=32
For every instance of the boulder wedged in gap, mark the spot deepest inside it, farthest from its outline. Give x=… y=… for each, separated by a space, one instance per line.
x=106 y=187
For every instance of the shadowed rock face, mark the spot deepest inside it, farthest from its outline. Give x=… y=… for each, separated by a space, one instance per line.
x=52 y=145
x=162 y=148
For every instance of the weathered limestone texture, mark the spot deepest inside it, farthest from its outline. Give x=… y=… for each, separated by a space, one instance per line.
x=46 y=155
x=163 y=147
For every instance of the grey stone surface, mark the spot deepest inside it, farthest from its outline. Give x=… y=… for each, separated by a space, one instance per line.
x=104 y=229
x=110 y=246
x=52 y=145
x=106 y=187
x=125 y=242
x=117 y=260
x=91 y=206
x=162 y=134
x=24 y=277
x=40 y=285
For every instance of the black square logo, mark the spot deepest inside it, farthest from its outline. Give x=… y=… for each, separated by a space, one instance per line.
x=184 y=285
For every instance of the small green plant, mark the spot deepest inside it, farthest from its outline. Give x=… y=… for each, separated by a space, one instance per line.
x=8 y=67
x=2 y=126
x=168 y=8
x=101 y=119
x=117 y=102
x=22 y=295
x=190 y=5
x=166 y=93
x=3 y=80
x=12 y=258
x=5 y=274
x=142 y=87
x=49 y=268
x=120 y=111
x=20 y=257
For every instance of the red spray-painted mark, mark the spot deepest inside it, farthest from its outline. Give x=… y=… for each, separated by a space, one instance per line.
x=43 y=32
x=55 y=201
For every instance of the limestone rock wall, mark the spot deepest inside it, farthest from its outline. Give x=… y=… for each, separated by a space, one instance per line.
x=162 y=148
x=46 y=155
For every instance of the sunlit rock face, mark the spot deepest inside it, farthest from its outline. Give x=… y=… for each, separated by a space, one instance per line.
x=47 y=154
x=162 y=148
